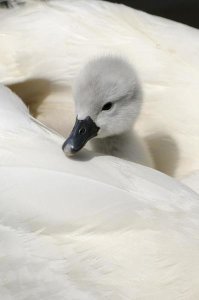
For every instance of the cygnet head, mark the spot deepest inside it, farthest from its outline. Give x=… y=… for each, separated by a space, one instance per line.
x=108 y=99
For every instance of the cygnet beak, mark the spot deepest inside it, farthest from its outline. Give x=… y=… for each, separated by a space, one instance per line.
x=82 y=131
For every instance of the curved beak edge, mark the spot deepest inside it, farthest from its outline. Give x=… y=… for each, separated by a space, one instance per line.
x=82 y=132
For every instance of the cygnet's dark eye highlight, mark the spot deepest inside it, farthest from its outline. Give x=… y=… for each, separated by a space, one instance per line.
x=107 y=106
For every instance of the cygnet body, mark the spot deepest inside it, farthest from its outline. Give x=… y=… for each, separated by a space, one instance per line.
x=108 y=99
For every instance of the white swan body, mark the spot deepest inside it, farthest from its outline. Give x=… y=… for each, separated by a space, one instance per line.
x=77 y=229
x=44 y=45
x=108 y=93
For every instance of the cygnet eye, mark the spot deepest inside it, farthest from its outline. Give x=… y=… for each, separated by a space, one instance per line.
x=107 y=106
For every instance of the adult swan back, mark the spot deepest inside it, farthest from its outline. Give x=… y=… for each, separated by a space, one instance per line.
x=45 y=43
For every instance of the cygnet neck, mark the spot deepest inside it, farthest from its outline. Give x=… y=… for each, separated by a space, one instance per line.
x=111 y=145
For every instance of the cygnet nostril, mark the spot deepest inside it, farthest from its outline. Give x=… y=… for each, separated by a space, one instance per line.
x=82 y=130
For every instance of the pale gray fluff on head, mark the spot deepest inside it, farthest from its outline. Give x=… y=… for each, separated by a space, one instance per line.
x=108 y=79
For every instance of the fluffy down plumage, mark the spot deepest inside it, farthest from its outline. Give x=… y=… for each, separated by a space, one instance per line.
x=44 y=45
x=77 y=229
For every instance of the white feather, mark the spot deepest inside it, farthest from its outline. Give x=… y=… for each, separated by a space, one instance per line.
x=75 y=229
x=52 y=40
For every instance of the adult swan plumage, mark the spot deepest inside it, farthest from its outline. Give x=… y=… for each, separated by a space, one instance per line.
x=44 y=44
x=75 y=229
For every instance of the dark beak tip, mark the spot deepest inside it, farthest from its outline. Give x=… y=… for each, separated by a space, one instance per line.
x=83 y=131
x=68 y=149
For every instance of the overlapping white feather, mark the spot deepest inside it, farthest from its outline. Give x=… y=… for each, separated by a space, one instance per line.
x=133 y=232
x=91 y=228
x=51 y=40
